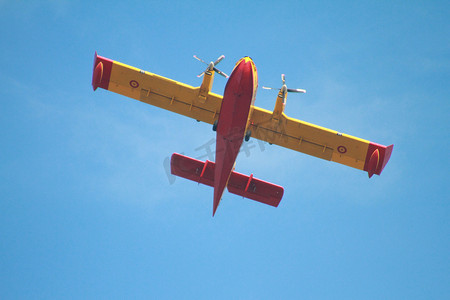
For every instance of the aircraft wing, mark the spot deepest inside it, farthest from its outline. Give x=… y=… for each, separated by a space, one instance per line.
x=319 y=141
x=155 y=90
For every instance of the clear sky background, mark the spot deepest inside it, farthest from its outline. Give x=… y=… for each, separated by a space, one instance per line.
x=87 y=209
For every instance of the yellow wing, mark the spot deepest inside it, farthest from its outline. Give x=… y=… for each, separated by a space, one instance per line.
x=196 y=103
x=319 y=141
x=202 y=105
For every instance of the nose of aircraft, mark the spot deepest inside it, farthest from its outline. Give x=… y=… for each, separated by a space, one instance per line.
x=244 y=71
x=246 y=62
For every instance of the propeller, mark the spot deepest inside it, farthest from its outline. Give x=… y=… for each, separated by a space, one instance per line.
x=212 y=66
x=284 y=87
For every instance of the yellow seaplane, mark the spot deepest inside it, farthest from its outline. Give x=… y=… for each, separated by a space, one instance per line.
x=235 y=118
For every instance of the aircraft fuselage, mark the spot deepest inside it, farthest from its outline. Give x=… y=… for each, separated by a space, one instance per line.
x=238 y=99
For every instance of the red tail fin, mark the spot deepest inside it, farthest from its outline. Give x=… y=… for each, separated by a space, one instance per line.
x=239 y=184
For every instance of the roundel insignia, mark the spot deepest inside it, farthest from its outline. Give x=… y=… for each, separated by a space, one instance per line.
x=341 y=149
x=134 y=84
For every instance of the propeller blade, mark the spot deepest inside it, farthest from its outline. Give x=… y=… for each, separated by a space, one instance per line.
x=211 y=66
x=296 y=90
x=284 y=88
x=220 y=72
x=199 y=59
x=219 y=60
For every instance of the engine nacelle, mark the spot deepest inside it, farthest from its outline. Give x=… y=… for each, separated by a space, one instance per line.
x=279 y=105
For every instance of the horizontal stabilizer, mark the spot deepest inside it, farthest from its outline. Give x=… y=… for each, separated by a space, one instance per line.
x=192 y=169
x=255 y=189
x=239 y=184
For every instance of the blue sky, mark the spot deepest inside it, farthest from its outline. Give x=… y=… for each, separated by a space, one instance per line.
x=88 y=211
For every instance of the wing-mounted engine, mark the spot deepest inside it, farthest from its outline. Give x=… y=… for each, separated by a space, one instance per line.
x=281 y=98
x=209 y=76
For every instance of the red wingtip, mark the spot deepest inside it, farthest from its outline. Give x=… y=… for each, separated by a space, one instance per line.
x=97 y=76
x=373 y=162
x=101 y=72
x=95 y=79
x=387 y=156
x=377 y=158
